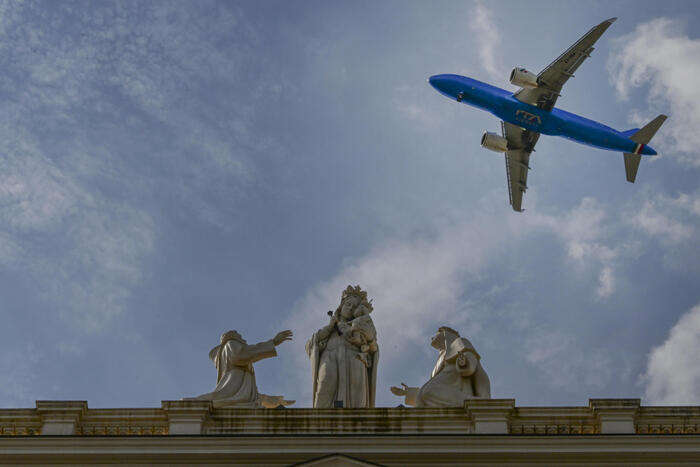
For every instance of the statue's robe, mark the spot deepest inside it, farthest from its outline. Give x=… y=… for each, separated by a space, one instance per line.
x=236 y=377
x=457 y=376
x=337 y=372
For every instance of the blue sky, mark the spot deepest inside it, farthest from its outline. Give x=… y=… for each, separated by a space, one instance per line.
x=171 y=170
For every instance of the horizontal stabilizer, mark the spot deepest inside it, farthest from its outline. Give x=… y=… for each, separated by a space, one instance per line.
x=645 y=135
x=631 y=165
x=629 y=133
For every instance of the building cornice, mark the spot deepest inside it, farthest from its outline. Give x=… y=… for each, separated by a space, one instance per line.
x=396 y=449
x=478 y=416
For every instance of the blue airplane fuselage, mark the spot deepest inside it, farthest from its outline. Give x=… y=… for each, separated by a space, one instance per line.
x=556 y=122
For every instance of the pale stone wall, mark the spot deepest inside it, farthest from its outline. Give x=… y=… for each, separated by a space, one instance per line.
x=487 y=430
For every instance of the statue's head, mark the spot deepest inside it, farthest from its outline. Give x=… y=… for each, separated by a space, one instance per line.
x=443 y=337
x=353 y=297
x=231 y=335
x=362 y=309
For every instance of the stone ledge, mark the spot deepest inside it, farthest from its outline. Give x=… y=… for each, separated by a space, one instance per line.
x=480 y=416
x=414 y=449
x=60 y=417
x=616 y=416
x=339 y=421
x=186 y=417
x=490 y=416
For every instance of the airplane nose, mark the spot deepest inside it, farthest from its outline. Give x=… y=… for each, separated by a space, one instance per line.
x=446 y=85
x=435 y=81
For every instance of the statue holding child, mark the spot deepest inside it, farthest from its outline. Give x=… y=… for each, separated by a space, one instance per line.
x=344 y=355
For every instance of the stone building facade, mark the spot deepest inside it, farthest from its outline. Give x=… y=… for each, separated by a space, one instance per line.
x=487 y=432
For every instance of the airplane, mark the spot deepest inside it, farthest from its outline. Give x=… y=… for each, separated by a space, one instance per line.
x=530 y=111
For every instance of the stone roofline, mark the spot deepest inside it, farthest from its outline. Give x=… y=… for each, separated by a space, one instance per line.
x=478 y=416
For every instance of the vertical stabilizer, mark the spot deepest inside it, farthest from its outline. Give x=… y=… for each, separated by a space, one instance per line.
x=645 y=135
x=641 y=137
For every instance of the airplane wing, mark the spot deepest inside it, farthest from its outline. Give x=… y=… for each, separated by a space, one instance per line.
x=521 y=143
x=552 y=78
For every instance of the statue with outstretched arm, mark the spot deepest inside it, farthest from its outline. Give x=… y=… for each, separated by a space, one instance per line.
x=234 y=359
x=457 y=376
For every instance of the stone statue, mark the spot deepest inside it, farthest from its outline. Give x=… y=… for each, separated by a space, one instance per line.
x=234 y=359
x=458 y=375
x=344 y=355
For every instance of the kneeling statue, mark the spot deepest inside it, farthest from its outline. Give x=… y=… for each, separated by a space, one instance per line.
x=234 y=360
x=458 y=375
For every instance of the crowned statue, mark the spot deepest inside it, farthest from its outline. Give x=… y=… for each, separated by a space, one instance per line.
x=457 y=376
x=344 y=355
x=233 y=359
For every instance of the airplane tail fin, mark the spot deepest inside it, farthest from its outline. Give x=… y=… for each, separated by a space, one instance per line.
x=640 y=137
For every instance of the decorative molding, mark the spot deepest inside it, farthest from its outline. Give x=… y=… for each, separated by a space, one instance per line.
x=19 y=422
x=550 y=430
x=124 y=422
x=670 y=429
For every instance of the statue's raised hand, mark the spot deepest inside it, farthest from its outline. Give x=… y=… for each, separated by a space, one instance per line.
x=397 y=391
x=282 y=336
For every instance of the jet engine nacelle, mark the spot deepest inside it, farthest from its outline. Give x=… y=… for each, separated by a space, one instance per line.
x=494 y=142
x=523 y=78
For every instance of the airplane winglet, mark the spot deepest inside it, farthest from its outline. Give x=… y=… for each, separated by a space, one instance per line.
x=610 y=20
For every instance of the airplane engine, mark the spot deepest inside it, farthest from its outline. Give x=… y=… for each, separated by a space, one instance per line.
x=494 y=142
x=523 y=78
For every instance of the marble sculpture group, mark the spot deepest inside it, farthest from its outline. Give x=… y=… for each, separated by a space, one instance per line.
x=344 y=358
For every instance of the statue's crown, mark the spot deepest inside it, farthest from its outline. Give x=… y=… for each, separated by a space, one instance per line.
x=357 y=292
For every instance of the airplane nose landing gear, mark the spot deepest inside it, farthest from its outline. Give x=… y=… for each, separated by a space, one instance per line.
x=460 y=97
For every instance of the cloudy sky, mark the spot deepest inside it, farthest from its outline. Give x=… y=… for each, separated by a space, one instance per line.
x=171 y=170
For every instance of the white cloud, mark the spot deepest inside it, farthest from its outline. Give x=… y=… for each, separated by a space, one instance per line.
x=410 y=101
x=86 y=86
x=139 y=69
x=415 y=282
x=673 y=373
x=607 y=282
x=587 y=234
x=19 y=378
x=659 y=54
x=422 y=283
x=656 y=223
x=35 y=193
x=415 y=285
x=487 y=37
x=419 y=284
x=584 y=231
x=671 y=220
x=82 y=251
x=545 y=347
